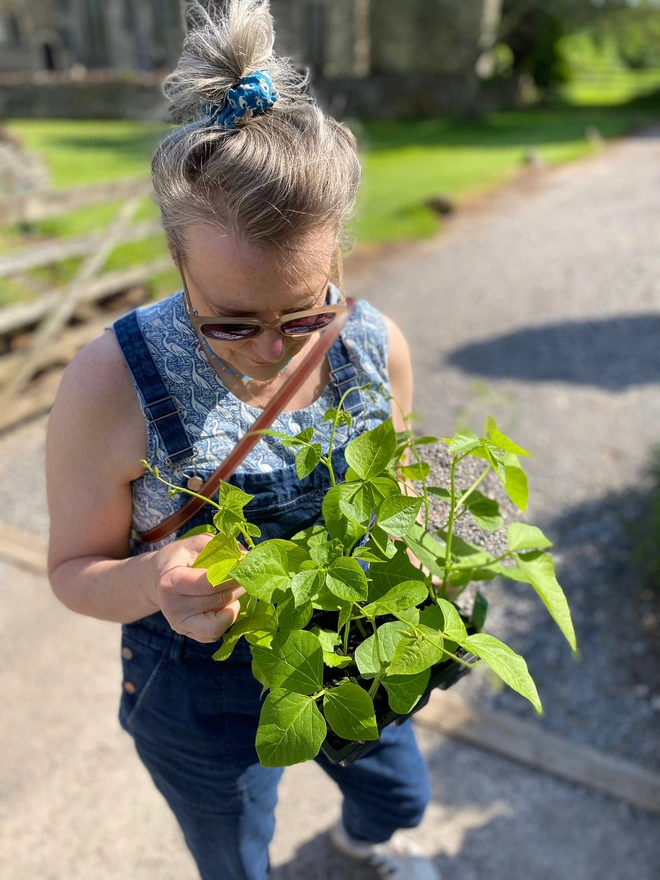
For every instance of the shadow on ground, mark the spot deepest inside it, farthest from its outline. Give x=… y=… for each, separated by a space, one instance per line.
x=614 y=354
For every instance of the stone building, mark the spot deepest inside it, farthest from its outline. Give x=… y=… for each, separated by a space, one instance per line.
x=116 y=34
x=337 y=38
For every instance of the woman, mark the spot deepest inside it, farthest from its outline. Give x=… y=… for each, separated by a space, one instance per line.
x=255 y=190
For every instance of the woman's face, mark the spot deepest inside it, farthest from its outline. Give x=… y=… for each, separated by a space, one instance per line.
x=228 y=278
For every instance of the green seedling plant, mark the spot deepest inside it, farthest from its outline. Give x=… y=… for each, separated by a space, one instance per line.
x=338 y=616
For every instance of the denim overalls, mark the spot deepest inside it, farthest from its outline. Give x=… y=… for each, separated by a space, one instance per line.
x=194 y=720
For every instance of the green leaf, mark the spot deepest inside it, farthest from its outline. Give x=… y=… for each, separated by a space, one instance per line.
x=264 y=570
x=291 y=730
x=305 y=585
x=431 y=553
x=287 y=439
x=310 y=537
x=432 y=617
x=398 y=514
x=453 y=626
x=354 y=514
x=307 y=460
x=252 y=530
x=463 y=442
x=386 y=575
x=497 y=438
x=345 y=612
x=381 y=543
x=515 y=482
x=294 y=662
x=405 y=691
x=366 y=654
x=418 y=471
x=220 y=572
x=229 y=522
x=538 y=569
x=324 y=554
x=425 y=441
x=416 y=653
x=347 y=580
x=364 y=554
x=349 y=710
x=445 y=494
x=407 y=595
x=523 y=537
x=291 y=616
x=370 y=454
x=336 y=523
x=505 y=663
x=199 y=530
x=232 y=497
x=485 y=511
x=328 y=638
x=260 y=619
x=381 y=488
x=336 y=661
x=219 y=549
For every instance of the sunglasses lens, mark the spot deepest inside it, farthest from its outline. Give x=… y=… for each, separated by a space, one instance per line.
x=226 y=332
x=311 y=324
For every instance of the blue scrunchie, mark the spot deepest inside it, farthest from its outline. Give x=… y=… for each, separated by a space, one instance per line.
x=253 y=94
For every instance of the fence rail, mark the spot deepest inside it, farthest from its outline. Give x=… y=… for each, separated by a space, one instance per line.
x=33 y=207
x=43 y=324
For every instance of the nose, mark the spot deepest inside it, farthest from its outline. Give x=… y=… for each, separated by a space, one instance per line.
x=269 y=346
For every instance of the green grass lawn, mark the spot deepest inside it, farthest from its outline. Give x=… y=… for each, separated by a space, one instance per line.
x=404 y=164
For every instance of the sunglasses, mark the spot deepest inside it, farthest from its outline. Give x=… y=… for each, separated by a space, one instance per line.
x=234 y=329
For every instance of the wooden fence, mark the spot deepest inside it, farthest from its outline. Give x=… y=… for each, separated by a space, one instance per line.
x=42 y=325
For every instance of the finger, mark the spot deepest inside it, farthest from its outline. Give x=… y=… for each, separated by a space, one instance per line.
x=197 y=543
x=195 y=582
x=211 y=625
x=199 y=604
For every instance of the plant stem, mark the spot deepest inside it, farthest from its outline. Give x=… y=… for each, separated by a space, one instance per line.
x=319 y=695
x=347 y=630
x=374 y=687
x=335 y=425
x=469 y=492
x=360 y=626
x=185 y=491
x=450 y=524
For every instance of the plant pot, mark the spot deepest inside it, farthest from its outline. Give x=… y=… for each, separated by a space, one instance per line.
x=443 y=676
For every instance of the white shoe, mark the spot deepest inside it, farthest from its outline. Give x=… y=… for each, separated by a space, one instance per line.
x=396 y=859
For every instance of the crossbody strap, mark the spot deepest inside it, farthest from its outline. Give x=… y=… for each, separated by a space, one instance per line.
x=248 y=442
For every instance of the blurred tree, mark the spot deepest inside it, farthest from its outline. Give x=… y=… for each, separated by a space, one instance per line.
x=533 y=31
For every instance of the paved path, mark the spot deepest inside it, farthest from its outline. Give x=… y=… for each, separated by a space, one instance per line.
x=547 y=300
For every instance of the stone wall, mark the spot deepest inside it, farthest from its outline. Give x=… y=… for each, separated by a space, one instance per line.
x=375 y=97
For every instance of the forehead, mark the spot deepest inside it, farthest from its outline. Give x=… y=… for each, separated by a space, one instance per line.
x=236 y=276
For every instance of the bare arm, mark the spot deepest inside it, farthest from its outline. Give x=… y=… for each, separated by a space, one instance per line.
x=401 y=375
x=96 y=438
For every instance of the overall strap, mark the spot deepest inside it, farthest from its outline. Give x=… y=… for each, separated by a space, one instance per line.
x=345 y=377
x=160 y=409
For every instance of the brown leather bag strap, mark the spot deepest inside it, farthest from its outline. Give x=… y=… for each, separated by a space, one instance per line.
x=247 y=443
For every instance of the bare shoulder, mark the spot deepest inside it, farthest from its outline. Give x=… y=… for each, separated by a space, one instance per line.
x=97 y=402
x=399 y=350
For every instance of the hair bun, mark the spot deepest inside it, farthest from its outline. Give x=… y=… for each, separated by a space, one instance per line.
x=223 y=44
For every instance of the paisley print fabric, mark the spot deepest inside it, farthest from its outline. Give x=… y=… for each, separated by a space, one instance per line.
x=215 y=419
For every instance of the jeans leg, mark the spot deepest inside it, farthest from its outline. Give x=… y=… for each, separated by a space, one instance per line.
x=386 y=790
x=226 y=812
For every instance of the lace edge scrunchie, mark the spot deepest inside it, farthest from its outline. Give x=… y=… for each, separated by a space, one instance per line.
x=254 y=94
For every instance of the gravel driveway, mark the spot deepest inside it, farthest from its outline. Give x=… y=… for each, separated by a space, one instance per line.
x=540 y=307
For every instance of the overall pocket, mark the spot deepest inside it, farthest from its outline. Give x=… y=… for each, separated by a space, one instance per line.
x=142 y=665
